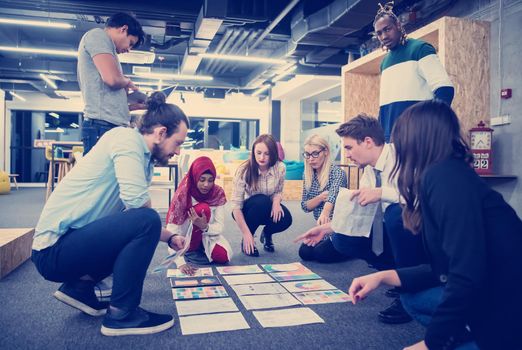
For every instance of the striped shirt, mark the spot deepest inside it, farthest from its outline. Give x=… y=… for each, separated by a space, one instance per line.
x=410 y=73
x=270 y=184
x=336 y=179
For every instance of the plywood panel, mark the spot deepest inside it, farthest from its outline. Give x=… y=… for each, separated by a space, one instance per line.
x=15 y=248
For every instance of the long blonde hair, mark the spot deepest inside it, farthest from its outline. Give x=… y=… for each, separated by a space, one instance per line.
x=323 y=173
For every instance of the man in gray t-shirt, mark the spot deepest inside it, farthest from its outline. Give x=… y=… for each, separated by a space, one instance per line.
x=103 y=85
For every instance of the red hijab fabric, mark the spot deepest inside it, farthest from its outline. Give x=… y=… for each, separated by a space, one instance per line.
x=182 y=201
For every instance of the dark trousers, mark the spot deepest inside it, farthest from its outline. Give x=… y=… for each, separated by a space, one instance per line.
x=324 y=252
x=257 y=209
x=92 y=130
x=122 y=244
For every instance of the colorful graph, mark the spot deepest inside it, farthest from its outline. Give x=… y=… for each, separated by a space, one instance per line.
x=231 y=270
x=199 y=292
x=303 y=286
x=195 y=282
x=296 y=266
x=200 y=272
x=323 y=297
x=295 y=276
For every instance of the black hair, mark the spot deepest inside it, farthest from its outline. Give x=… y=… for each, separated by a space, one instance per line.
x=161 y=113
x=133 y=26
x=362 y=126
x=386 y=10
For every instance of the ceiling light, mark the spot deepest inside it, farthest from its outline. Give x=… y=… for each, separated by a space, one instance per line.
x=49 y=82
x=39 y=51
x=55 y=115
x=249 y=59
x=166 y=76
x=59 y=130
x=68 y=94
x=32 y=23
x=74 y=125
x=261 y=90
x=14 y=94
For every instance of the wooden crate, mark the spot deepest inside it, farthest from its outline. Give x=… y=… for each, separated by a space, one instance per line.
x=15 y=248
x=292 y=191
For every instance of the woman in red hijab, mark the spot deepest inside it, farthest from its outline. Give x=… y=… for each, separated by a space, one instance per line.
x=200 y=202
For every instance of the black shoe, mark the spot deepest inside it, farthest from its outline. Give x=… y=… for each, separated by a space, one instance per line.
x=80 y=295
x=393 y=292
x=266 y=239
x=136 y=322
x=254 y=253
x=394 y=314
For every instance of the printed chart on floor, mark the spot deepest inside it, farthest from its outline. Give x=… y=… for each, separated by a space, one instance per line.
x=248 y=279
x=323 y=297
x=205 y=306
x=200 y=272
x=260 y=288
x=198 y=324
x=295 y=276
x=296 y=266
x=195 y=281
x=269 y=301
x=287 y=317
x=303 y=286
x=235 y=270
x=199 y=292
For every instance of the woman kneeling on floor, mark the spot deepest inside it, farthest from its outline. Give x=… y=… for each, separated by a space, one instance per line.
x=197 y=213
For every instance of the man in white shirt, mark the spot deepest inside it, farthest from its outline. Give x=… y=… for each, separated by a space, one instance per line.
x=389 y=243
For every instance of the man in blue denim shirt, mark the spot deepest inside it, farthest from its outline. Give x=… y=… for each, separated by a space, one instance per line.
x=102 y=83
x=99 y=222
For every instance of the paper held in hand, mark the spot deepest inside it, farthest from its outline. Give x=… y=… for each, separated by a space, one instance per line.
x=350 y=218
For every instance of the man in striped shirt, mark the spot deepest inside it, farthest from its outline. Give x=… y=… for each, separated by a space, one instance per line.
x=410 y=72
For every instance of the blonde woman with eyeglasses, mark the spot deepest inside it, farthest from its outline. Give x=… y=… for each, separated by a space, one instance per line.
x=322 y=181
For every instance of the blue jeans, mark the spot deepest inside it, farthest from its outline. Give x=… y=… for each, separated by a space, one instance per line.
x=92 y=130
x=122 y=244
x=422 y=305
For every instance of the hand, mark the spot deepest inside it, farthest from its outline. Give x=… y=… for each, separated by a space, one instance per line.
x=188 y=269
x=367 y=195
x=130 y=85
x=277 y=212
x=311 y=237
x=324 y=196
x=198 y=221
x=362 y=286
x=178 y=242
x=417 y=346
x=137 y=106
x=323 y=219
x=248 y=243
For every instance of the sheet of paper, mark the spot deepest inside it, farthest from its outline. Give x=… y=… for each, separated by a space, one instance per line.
x=200 y=272
x=287 y=317
x=350 y=218
x=323 y=297
x=295 y=276
x=234 y=270
x=303 y=286
x=259 y=288
x=296 y=266
x=248 y=279
x=199 y=292
x=195 y=281
x=207 y=306
x=212 y=323
x=269 y=301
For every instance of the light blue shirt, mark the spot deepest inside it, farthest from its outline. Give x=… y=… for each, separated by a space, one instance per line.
x=114 y=175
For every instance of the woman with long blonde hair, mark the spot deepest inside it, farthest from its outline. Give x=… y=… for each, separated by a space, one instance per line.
x=322 y=181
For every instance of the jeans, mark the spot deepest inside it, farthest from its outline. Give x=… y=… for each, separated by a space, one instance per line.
x=323 y=252
x=257 y=209
x=422 y=305
x=92 y=130
x=122 y=244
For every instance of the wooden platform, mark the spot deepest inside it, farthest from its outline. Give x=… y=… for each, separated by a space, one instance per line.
x=15 y=248
x=292 y=191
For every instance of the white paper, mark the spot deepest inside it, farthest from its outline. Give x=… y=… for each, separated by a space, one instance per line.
x=287 y=317
x=304 y=286
x=260 y=288
x=350 y=218
x=296 y=266
x=255 y=302
x=200 y=272
x=205 y=306
x=323 y=297
x=248 y=279
x=212 y=323
x=238 y=269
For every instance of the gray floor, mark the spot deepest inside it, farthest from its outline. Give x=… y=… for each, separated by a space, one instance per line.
x=31 y=318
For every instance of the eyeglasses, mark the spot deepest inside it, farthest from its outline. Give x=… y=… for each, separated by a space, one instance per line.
x=314 y=154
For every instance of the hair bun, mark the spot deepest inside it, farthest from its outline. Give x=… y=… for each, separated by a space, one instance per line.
x=156 y=100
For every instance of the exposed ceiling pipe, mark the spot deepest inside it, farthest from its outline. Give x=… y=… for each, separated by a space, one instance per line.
x=274 y=23
x=246 y=46
x=222 y=42
x=221 y=66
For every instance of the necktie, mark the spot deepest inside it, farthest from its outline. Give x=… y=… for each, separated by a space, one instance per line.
x=377 y=227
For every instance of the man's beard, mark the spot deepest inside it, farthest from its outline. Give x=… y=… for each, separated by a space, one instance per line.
x=159 y=157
